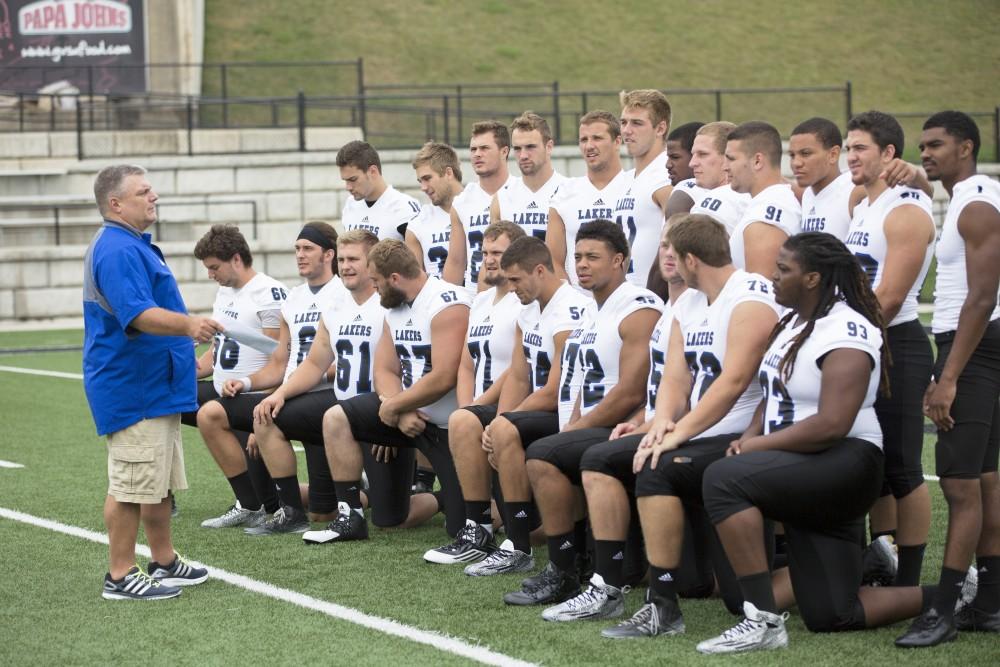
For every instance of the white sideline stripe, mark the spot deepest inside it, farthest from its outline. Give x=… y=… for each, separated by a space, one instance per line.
x=384 y=625
x=35 y=371
x=9 y=464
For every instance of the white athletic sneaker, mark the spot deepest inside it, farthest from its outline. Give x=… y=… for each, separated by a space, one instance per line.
x=236 y=516
x=504 y=560
x=759 y=631
x=598 y=600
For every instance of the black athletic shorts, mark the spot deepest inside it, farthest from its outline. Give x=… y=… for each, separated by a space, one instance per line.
x=206 y=393
x=901 y=413
x=533 y=425
x=679 y=473
x=614 y=459
x=972 y=446
x=485 y=413
x=390 y=483
x=301 y=418
x=239 y=409
x=564 y=450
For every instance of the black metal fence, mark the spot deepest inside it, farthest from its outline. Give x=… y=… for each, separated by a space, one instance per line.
x=335 y=93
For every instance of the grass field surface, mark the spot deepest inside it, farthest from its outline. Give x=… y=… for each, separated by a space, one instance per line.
x=51 y=611
x=901 y=56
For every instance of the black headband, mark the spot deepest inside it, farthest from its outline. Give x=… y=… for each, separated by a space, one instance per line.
x=312 y=234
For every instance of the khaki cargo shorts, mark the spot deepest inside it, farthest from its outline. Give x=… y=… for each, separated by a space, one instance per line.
x=146 y=460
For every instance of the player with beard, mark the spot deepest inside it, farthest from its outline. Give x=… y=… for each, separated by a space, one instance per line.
x=526 y=201
x=470 y=214
x=440 y=177
x=413 y=398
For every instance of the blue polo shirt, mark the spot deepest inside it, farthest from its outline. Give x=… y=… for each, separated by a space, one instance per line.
x=128 y=375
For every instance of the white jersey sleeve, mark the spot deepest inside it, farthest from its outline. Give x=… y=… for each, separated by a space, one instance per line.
x=252 y=305
x=775 y=205
x=795 y=399
x=724 y=205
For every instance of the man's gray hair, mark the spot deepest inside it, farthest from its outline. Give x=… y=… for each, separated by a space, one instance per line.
x=109 y=183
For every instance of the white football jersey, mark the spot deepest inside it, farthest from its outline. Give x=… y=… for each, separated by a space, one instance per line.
x=866 y=239
x=705 y=328
x=565 y=311
x=472 y=206
x=529 y=209
x=724 y=205
x=774 y=205
x=491 y=336
x=256 y=305
x=410 y=325
x=302 y=310
x=599 y=354
x=830 y=210
x=952 y=283
x=354 y=334
x=386 y=218
x=432 y=227
x=641 y=218
x=797 y=399
x=578 y=201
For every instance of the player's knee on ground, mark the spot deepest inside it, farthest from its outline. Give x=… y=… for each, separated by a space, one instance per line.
x=820 y=616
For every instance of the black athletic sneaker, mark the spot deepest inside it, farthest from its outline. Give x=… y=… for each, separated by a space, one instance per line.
x=659 y=616
x=970 y=619
x=472 y=544
x=929 y=629
x=879 y=563
x=550 y=586
x=137 y=585
x=286 y=520
x=348 y=526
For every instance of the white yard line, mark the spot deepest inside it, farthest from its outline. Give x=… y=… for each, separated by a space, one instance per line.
x=35 y=371
x=387 y=626
x=9 y=464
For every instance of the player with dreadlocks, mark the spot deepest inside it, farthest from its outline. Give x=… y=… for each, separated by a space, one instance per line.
x=812 y=457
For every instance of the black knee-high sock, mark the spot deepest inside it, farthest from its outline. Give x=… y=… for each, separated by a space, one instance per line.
x=988 y=595
x=610 y=561
x=757 y=590
x=663 y=582
x=949 y=588
x=478 y=511
x=288 y=491
x=519 y=528
x=243 y=490
x=911 y=560
x=563 y=550
x=349 y=493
